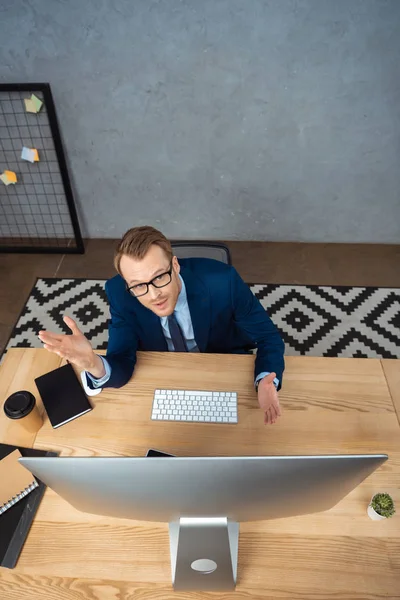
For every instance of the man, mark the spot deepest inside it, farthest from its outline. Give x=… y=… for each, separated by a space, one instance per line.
x=158 y=303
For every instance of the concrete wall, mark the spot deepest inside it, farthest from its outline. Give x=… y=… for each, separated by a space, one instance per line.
x=235 y=119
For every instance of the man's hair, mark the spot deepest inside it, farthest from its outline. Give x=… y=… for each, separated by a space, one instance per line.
x=137 y=241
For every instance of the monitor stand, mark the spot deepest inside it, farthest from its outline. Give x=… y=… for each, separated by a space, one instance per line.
x=204 y=553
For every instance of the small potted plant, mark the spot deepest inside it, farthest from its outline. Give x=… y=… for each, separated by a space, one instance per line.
x=381 y=507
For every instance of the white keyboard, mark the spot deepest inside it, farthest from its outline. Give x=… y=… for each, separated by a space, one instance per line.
x=195 y=406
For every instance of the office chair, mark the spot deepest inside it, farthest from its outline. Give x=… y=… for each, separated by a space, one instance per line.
x=202 y=250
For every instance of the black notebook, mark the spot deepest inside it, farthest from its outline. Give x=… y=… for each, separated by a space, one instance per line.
x=63 y=396
x=17 y=520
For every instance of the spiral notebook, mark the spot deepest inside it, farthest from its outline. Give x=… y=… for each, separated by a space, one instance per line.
x=16 y=481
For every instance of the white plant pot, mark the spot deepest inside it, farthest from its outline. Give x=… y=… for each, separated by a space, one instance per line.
x=373 y=514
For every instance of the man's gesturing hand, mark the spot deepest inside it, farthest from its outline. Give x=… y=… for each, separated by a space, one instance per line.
x=268 y=399
x=75 y=348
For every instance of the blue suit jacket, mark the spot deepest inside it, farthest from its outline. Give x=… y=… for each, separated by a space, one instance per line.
x=227 y=318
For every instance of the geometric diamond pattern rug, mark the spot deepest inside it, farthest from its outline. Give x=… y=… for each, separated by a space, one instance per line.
x=343 y=321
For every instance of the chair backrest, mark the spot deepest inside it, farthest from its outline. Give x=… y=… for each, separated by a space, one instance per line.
x=213 y=250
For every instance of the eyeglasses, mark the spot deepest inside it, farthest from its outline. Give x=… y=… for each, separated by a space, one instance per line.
x=159 y=281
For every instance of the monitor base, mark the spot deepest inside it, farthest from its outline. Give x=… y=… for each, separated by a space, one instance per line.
x=204 y=553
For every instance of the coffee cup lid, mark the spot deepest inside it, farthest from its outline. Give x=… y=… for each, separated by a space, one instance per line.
x=19 y=404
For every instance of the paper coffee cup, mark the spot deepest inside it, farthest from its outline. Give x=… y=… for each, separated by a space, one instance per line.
x=22 y=406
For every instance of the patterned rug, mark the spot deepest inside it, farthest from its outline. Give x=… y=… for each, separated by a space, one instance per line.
x=361 y=322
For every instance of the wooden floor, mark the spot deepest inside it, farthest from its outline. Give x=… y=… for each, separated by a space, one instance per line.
x=257 y=262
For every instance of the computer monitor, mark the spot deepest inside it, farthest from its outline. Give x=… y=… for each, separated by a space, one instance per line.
x=204 y=498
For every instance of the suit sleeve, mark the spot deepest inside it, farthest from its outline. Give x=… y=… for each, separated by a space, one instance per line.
x=252 y=318
x=122 y=345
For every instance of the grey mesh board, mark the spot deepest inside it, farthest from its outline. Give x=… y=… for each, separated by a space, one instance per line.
x=36 y=211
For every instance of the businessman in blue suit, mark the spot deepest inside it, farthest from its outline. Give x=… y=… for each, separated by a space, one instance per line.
x=158 y=303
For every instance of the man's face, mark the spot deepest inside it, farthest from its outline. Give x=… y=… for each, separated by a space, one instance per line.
x=161 y=301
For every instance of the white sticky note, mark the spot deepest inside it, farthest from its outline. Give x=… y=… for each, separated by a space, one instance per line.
x=28 y=154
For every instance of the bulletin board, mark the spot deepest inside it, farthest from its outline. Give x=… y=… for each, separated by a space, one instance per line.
x=37 y=208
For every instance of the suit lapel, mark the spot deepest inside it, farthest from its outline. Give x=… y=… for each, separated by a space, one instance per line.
x=198 y=299
x=153 y=335
x=157 y=333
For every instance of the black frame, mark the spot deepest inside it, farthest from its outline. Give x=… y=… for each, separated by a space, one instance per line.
x=203 y=245
x=151 y=282
x=51 y=112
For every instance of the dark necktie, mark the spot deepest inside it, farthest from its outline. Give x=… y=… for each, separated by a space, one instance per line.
x=177 y=337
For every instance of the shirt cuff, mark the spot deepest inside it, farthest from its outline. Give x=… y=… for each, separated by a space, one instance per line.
x=97 y=383
x=264 y=374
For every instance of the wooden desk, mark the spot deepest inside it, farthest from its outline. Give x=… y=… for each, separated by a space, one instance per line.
x=329 y=406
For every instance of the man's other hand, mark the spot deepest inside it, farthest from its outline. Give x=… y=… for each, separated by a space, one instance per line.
x=268 y=399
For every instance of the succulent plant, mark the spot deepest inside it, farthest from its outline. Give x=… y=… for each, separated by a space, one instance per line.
x=383 y=505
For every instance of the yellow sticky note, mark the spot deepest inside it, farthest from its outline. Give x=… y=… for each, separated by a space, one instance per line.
x=35 y=155
x=8 y=177
x=29 y=106
x=36 y=102
x=11 y=176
